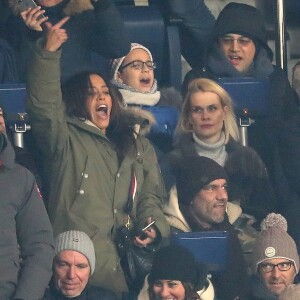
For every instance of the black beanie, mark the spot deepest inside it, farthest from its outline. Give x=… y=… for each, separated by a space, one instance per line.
x=193 y=174
x=174 y=262
x=242 y=19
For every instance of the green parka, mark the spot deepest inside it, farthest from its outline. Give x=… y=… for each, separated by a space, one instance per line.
x=88 y=187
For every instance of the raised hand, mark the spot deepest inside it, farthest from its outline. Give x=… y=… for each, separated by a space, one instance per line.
x=56 y=35
x=33 y=18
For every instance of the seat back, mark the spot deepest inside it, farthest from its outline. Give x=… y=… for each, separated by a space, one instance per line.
x=12 y=100
x=208 y=247
x=250 y=96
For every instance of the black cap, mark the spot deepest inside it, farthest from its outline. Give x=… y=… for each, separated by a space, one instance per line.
x=174 y=262
x=242 y=19
x=193 y=174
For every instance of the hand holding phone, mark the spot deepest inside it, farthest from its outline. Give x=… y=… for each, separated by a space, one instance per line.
x=32 y=14
x=143 y=234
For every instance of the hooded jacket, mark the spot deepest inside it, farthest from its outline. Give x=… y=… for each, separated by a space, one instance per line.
x=26 y=239
x=88 y=186
x=92 y=31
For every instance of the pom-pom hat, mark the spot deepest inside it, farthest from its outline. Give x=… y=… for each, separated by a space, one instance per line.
x=274 y=242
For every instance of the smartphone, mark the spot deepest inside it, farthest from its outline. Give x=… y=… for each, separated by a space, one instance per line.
x=143 y=234
x=25 y=4
x=148 y=226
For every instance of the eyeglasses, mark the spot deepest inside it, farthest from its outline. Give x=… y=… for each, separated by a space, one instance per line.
x=229 y=41
x=139 y=65
x=283 y=266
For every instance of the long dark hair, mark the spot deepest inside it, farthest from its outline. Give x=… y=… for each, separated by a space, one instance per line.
x=120 y=131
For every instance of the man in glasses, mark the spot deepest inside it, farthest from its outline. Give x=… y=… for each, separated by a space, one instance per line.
x=275 y=261
x=239 y=49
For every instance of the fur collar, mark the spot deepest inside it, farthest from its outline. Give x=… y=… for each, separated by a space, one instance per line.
x=72 y=8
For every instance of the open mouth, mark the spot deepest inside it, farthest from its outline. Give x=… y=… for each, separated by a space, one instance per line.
x=145 y=80
x=102 y=109
x=235 y=59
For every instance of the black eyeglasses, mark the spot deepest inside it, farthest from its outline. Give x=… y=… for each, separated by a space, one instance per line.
x=242 y=41
x=283 y=266
x=138 y=65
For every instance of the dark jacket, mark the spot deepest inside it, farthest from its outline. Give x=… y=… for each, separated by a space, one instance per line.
x=89 y=293
x=249 y=183
x=91 y=32
x=88 y=185
x=26 y=239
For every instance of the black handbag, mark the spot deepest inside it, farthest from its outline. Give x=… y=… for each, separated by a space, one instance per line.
x=136 y=262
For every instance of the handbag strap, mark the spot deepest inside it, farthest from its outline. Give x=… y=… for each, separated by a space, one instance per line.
x=131 y=196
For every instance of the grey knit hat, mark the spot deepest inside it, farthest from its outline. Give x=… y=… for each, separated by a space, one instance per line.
x=274 y=242
x=77 y=241
x=117 y=62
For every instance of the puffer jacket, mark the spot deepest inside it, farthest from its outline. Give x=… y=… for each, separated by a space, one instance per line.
x=92 y=32
x=26 y=238
x=88 y=186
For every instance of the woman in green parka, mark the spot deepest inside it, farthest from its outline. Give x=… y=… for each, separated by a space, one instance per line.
x=92 y=155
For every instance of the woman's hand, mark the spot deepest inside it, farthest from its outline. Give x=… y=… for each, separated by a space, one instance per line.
x=56 y=35
x=150 y=233
x=33 y=18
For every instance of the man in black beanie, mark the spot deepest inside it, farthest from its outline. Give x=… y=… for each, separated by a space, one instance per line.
x=239 y=49
x=202 y=198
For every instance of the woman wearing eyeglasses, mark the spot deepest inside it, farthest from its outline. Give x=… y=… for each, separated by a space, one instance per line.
x=134 y=76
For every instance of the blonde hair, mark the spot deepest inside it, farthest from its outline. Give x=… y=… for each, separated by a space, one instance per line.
x=230 y=127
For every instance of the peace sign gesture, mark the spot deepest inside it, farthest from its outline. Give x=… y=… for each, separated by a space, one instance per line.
x=56 y=35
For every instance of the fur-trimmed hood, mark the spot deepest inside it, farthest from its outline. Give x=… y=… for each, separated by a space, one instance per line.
x=73 y=7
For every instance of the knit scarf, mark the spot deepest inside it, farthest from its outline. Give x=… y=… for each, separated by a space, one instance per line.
x=214 y=151
x=133 y=96
x=222 y=67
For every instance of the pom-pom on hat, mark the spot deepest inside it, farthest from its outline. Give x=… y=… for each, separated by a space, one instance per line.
x=193 y=174
x=174 y=262
x=274 y=242
x=77 y=241
x=117 y=62
x=244 y=19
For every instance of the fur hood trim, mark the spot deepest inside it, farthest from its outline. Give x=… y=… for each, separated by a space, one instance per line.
x=73 y=7
x=142 y=118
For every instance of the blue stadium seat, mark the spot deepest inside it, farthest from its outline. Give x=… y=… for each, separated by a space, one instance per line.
x=12 y=100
